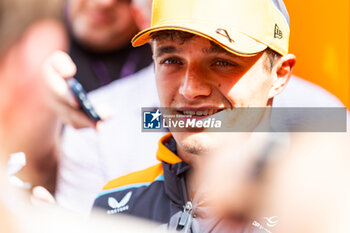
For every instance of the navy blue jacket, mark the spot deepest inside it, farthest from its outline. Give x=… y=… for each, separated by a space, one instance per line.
x=157 y=193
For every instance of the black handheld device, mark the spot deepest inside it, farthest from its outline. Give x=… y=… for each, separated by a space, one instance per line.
x=81 y=96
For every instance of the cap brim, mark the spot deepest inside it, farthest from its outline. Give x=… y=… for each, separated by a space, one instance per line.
x=236 y=42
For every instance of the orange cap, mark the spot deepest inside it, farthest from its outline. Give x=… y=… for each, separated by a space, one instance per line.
x=243 y=27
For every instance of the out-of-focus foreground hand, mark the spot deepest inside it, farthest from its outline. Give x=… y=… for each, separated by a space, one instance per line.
x=40 y=195
x=56 y=69
x=283 y=183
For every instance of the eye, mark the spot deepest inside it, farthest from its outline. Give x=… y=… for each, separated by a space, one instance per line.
x=223 y=63
x=172 y=60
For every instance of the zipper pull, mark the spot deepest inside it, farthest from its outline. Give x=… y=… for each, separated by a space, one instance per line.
x=185 y=220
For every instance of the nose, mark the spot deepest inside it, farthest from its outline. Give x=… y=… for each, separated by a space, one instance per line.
x=194 y=85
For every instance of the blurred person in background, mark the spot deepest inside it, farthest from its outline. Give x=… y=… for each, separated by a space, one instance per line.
x=100 y=32
x=90 y=158
x=30 y=31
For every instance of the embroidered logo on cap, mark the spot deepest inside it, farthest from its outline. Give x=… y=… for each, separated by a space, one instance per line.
x=278 y=32
x=224 y=33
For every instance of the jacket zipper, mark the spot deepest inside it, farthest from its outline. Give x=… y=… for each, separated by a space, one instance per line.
x=185 y=220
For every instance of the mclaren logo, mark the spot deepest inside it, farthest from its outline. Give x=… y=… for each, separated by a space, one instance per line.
x=224 y=33
x=121 y=206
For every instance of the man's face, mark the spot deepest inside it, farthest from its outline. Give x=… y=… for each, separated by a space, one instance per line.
x=200 y=78
x=101 y=24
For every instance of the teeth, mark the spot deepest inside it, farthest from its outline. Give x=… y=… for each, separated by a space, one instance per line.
x=208 y=112
x=189 y=112
x=200 y=113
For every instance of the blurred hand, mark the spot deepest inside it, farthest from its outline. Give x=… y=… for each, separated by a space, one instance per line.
x=40 y=195
x=245 y=119
x=57 y=68
x=230 y=172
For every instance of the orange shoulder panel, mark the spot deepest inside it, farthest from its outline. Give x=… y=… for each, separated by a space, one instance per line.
x=143 y=176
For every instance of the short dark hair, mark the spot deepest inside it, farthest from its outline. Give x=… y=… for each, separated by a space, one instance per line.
x=181 y=37
x=272 y=58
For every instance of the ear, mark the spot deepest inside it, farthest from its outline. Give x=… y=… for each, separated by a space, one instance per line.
x=282 y=72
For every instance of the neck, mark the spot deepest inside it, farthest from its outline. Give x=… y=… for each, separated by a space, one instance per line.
x=196 y=176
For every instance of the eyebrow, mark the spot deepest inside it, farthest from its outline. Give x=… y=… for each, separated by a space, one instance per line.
x=213 y=49
x=167 y=49
x=217 y=50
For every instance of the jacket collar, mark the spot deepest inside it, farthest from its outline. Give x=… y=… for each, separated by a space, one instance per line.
x=174 y=169
x=167 y=150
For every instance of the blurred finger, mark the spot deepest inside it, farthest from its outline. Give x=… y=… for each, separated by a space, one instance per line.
x=40 y=194
x=76 y=118
x=62 y=64
x=58 y=86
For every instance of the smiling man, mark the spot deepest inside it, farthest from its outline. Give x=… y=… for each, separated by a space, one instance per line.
x=197 y=77
x=211 y=57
